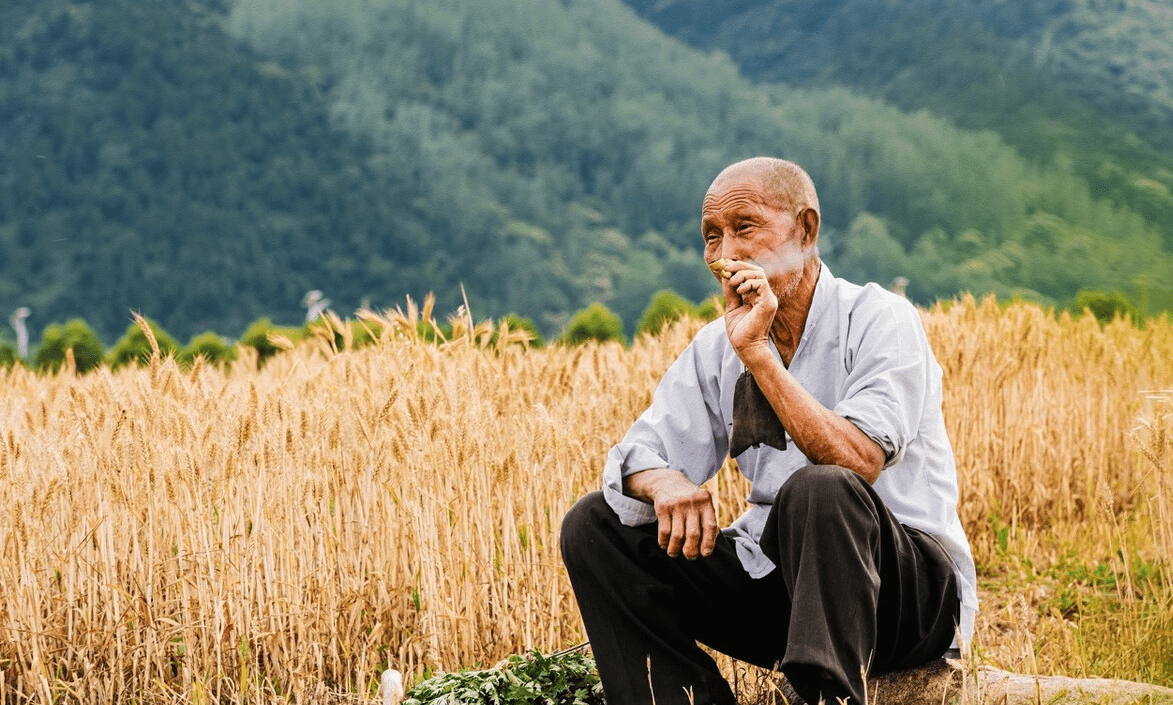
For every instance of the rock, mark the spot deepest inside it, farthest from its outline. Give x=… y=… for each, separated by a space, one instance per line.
x=994 y=686
x=948 y=681
x=936 y=682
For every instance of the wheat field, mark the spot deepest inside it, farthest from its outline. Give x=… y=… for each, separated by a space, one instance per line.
x=282 y=534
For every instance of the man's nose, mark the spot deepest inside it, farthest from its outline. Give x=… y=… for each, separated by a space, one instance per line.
x=729 y=249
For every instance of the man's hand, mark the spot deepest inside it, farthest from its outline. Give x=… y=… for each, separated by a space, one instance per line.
x=750 y=305
x=687 y=520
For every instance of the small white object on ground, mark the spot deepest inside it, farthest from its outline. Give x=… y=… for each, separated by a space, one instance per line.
x=391 y=687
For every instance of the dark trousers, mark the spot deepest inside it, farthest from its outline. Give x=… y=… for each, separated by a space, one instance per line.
x=853 y=589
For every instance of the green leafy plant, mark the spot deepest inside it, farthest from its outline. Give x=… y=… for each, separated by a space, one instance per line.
x=595 y=322
x=665 y=308
x=8 y=356
x=75 y=335
x=1105 y=305
x=208 y=345
x=711 y=308
x=133 y=346
x=261 y=334
x=517 y=322
x=563 y=678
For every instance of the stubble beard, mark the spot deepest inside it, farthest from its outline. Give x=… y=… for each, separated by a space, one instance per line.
x=790 y=285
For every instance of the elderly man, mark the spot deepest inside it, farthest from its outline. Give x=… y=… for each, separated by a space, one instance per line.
x=851 y=558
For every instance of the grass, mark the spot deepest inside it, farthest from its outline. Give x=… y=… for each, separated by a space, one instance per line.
x=245 y=535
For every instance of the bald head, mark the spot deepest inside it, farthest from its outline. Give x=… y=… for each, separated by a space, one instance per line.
x=784 y=182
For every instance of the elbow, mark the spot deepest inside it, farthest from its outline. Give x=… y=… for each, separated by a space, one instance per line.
x=871 y=473
x=871 y=462
x=865 y=465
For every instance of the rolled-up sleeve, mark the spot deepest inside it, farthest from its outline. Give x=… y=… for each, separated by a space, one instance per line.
x=887 y=377
x=682 y=430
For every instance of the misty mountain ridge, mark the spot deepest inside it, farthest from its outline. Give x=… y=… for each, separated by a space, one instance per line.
x=207 y=164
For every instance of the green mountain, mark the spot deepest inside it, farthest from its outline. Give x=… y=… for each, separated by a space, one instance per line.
x=207 y=163
x=1083 y=81
x=150 y=163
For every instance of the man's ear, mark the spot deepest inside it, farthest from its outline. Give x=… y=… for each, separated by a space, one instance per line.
x=809 y=218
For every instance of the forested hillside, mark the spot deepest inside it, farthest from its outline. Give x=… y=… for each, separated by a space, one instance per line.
x=1084 y=81
x=150 y=163
x=209 y=163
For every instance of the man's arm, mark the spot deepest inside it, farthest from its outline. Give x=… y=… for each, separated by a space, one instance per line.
x=683 y=429
x=684 y=511
x=822 y=435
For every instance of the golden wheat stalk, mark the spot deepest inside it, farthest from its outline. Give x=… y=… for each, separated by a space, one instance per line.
x=245 y=535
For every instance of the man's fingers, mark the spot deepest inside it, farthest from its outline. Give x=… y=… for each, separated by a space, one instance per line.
x=664 y=523
x=709 y=531
x=670 y=528
x=676 y=538
x=692 y=536
x=685 y=520
x=691 y=532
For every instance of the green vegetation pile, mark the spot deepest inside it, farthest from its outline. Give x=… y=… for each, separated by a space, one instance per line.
x=563 y=678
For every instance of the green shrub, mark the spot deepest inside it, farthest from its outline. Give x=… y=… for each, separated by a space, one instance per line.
x=321 y=328
x=1105 y=305
x=433 y=331
x=595 y=322
x=209 y=346
x=257 y=336
x=364 y=333
x=665 y=308
x=8 y=356
x=361 y=333
x=517 y=322
x=75 y=335
x=133 y=346
x=711 y=308
x=566 y=678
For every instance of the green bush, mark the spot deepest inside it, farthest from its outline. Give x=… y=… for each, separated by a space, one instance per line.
x=361 y=333
x=257 y=336
x=133 y=346
x=665 y=308
x=75 y=335
x=364 y=333
x=711 y=308
x=8 y=356
x=433 y=331
x=209 y=346
x=517 y=322
x=1105 y=305
x=321 y=328
x=566 y=678
x=595 y=322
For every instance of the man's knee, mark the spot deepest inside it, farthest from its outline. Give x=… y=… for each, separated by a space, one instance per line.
x=819 y=489
x=818 y=480
x=583 y=524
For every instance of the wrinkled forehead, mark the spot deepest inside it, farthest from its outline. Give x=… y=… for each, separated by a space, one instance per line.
x=742 y=189
x=775 y=183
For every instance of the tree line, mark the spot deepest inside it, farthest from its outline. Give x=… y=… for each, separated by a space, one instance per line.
x=76 y=344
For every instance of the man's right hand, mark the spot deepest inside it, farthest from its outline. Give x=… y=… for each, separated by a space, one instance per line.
x=688 y=522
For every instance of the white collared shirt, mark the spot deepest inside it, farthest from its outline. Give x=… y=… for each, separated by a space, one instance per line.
x=863 y=353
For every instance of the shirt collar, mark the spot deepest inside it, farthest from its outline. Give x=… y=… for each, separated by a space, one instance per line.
x=820 y=302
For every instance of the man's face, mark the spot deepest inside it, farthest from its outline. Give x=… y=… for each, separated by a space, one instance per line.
x=739 y=221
